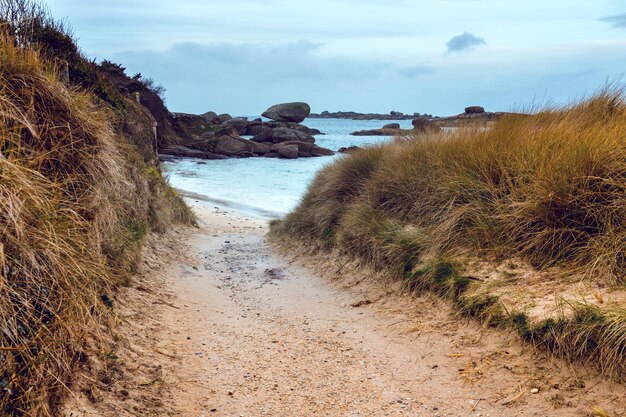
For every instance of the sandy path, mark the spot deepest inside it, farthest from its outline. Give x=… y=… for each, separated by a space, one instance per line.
x=240 y=331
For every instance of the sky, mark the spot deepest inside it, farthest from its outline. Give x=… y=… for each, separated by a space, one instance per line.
x=425 y=56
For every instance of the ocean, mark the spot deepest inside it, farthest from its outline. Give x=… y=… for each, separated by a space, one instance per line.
x=268 y=187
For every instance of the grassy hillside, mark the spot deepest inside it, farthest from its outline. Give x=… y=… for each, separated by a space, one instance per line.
x=502 y=221
x=79 y=188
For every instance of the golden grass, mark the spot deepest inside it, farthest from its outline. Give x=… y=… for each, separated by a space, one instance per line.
x=548 y=188
x=75 y=201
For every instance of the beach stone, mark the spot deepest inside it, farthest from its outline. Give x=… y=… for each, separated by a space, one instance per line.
x=288 y=112
x=392 y=126
x=474 y=110
x=283 y=135
x=288 y=151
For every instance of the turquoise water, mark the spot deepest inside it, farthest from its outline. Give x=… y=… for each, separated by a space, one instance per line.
x=267 y=187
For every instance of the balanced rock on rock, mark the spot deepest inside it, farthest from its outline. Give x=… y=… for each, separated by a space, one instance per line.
x=288 y=112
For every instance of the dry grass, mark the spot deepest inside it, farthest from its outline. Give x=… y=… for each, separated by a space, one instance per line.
x=548 y=188
x=75 y=201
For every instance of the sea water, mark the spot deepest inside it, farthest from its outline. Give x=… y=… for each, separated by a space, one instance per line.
x=268 y=187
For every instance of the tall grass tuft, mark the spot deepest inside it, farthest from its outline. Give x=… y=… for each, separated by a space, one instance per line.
x=549 y=188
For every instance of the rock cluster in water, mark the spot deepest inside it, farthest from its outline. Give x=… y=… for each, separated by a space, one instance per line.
x=394 y=115
x=213 y=136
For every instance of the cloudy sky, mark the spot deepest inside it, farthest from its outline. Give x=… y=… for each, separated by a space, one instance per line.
x=427 y=56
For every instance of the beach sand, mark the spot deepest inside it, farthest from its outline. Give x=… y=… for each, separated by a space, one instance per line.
x=219 y=323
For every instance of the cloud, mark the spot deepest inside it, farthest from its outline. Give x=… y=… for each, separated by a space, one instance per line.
x=416 y=70
x=247 y=77
x=617 y=21
x=464 y=42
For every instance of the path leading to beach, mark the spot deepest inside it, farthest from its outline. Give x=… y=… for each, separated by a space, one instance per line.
x=221 y=325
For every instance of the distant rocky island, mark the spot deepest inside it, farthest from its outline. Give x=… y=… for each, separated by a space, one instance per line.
x=421 y=123
x=394 y=115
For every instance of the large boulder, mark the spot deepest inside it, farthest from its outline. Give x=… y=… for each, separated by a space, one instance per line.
x=288 y=112
x=305 y=149
x=230 y=146
x=474 y=110
x=288 y=151
x=283 y=135
x=392 y=126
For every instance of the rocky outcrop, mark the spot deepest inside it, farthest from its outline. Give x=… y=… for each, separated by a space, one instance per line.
x=210 y=135
x=392 y=126
x=180 y=151
x=283 y=135
x=376 y=132
x=288 y=112
x=473 y=114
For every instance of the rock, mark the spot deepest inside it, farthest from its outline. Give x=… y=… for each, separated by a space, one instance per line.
x=258 y=148
x=320 y=151
x=422 y=124
x=222 y=118
x=253 y=130
x=208 y=116
x=283 y=135
x=288 y=151
x=474 y=110
x=288 y=112
x=349 y=149
x=239 y=124
x=392 y=126
x=185 y=152
x=230 y=146
x=375 y=132
x=305 y=149
x=294 y=126
x=396 y=114
x=190 y=125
